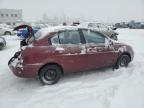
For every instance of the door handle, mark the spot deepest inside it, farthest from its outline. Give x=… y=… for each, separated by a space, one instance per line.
x=59 y=50
x=99 y=49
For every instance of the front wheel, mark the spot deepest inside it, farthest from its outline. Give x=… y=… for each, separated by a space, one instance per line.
x=50 y=74
x=123 y=61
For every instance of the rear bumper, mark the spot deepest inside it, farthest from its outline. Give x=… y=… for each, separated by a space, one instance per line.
x=23 y=70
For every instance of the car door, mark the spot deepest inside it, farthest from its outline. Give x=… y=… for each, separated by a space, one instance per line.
x=99 y=53
x=70 y=51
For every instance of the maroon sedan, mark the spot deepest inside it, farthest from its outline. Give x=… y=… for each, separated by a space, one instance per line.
x=61 y=50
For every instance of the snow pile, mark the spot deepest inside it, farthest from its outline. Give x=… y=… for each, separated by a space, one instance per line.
x=122 y=88
x=2 y=40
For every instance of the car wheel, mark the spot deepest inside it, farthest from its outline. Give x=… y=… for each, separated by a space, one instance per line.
x=50 y=74
x=2 y=45
x=123 y=61
x=7 y=33
x=114 y=37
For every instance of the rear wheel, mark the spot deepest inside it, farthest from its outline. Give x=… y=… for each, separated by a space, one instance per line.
x=123 y=61
x=50 y=74
x=7 y=33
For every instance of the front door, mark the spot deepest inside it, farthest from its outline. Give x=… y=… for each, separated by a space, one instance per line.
x=99 y=53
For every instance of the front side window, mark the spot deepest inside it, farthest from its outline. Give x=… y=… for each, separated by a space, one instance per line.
x=93 y=37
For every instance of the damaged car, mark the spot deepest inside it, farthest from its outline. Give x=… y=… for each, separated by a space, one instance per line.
x=55 y=51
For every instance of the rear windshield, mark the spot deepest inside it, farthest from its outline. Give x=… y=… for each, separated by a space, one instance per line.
x=40 y=34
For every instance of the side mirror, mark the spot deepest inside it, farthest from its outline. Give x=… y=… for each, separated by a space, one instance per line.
x=110 y=42
x=114 y=28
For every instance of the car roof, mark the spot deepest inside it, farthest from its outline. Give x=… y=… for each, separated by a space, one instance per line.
x=45 y=31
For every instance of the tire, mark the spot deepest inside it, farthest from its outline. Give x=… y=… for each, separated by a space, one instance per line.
x=123 y=61
x=7 y=33
x=114 y=37
x=2 y=46
x=50 y=74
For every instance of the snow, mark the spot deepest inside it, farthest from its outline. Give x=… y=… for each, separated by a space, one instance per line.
x=45 y=31
x=104 y=88
x=1 y=40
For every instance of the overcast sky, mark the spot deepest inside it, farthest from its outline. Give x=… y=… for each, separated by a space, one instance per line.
x=98 y=10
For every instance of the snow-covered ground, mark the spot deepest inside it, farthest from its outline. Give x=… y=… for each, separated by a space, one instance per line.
x=122 y=88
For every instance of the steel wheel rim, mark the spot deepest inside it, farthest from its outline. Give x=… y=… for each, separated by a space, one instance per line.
x=50 y=75
x=123 y=62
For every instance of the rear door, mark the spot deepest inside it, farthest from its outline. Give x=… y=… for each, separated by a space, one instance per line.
x=99 y=53
x=70 y=50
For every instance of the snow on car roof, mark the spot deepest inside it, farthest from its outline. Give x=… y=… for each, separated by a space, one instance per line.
x=45 y=31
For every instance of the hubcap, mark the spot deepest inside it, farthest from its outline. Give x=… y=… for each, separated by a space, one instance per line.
x=50 y=74
x=123 y=62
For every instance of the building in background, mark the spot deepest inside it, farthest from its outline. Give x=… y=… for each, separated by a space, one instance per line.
x=10 y=16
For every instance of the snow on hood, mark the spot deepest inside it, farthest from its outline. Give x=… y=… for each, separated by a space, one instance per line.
x=45 y=31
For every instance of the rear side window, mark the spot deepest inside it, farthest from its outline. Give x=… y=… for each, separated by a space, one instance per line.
x=93 y=37
x=66 y=37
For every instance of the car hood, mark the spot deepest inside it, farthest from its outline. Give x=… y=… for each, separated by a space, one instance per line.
x=8 y=29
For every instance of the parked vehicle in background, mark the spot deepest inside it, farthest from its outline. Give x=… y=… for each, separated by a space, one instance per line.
x=109 y=31
x=2 y=43
x=5 y=25
x=75 y=23
x=122 y=25
x=22 y=33
x=136 y=25
x=66 y=49
x=6 y=31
